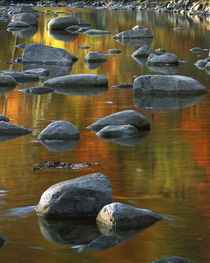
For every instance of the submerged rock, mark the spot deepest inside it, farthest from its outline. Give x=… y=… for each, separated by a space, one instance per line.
x=41 y=54
x=37 y=90
x=77 y=80
x=172 y=259
x=62 y=22
x=60 y=130
x=167 y=85
x=11 y=129
x=131 y=117
x=120 y=216
x=3 y=118
x=82 y=197
x=140 y=33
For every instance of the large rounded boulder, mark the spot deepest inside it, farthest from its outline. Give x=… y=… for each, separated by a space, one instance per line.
x=168 y=85
x=60 y=130
x=77 y=198
x=62 y=22
x=126 y=117
x=121 y=217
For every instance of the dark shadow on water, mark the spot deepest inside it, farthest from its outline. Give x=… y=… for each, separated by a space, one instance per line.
x=165 y=103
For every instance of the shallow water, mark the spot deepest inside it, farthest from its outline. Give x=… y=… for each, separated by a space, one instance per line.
x=167 y=171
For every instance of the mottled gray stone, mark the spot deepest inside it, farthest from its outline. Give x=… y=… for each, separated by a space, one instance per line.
x=29 y=18
x=77 y=80
x=141 y=33
x=167 y=85
x=144 y=51
x=77 y=198
x=62 y=22
x=167 y=58
x=41 y=54
x=60 y=130
x=94 y=57
x=8 y=129
x=131 y=117
x=121 y=216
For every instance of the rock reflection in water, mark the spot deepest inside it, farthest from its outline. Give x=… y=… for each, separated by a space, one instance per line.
x=135 y=41
x=129 y=141
x=5 y=89
x=94 y=65
x=59 y=146
x=140 y=61
x=172 y=69
x=25 y=32
x=62 y=35
x=165 y=103
x=81 y=91
x=69 y=231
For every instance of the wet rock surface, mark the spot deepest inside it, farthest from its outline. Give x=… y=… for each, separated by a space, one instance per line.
x=80 y=197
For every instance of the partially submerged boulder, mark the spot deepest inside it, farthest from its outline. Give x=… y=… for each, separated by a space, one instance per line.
x=62 y=22
x=29 y=18
x=120 y=217
x=96 y=32
x=77 y=80
x=42 y=54
x=60 y=130
x=7 y=81
x=77 y=198
x=11 y=129
x=140 y=33
x=172 y=259
x=144 y=51
x=167 y=58
x=131 y=117
x=94 y=57
x=167 y=85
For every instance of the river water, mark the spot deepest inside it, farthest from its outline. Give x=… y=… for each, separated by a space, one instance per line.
x=168 y=171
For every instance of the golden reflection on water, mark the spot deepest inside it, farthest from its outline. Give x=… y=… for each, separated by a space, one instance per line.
x=167 y=172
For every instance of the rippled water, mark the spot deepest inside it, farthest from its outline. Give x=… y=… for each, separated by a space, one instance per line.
x=168 y=171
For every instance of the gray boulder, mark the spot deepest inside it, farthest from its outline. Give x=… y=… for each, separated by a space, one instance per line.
x=144 y=51
x=11 y=129
x=167 y=58
x=172 y=259
x=96 y=32
x=111 y=131
x=17 y=9
x=167 y=85
x=41 y=54
x=77 y=80
x=131 y=117
x=29 y=18
x=120 y=217
x=94 y=57
x=62 y=22
x=141 y=33
x=77 y=198
x=60 y=130
x=7 y=81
